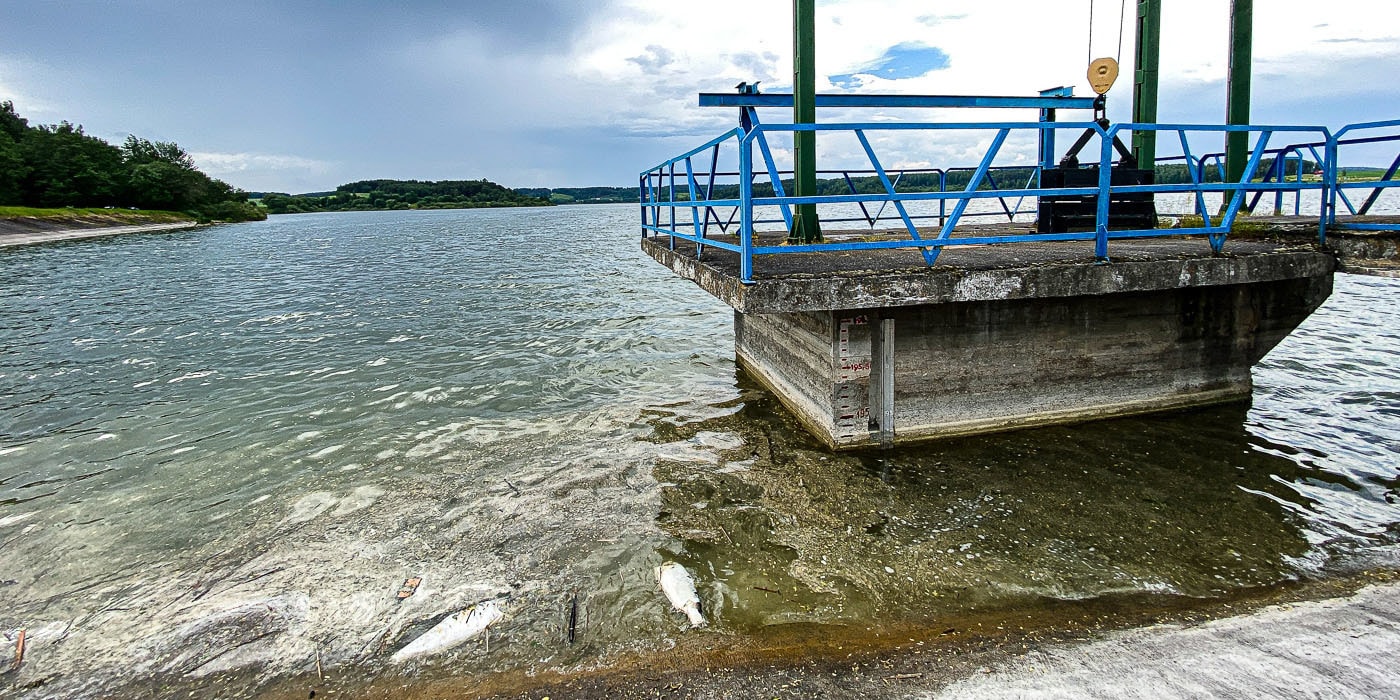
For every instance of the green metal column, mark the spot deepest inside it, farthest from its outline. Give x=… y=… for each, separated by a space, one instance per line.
x=1149 y=50
x=805 y=227
x=1241 y=61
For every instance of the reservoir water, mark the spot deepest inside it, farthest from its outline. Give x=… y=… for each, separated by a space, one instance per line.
x=224 y=451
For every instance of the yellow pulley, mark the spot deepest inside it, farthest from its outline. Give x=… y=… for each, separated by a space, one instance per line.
x=1102 y=73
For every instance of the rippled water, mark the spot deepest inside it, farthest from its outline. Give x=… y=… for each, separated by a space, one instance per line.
x=227 y=448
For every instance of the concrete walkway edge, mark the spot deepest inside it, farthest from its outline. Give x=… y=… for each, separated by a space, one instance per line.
x=1338 y=648
x=15 y=239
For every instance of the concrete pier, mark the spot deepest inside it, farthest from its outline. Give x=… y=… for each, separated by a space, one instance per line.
x=875 y=348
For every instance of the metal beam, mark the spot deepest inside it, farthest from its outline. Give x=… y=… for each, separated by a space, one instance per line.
x=805 y=227
x=776 y=99
x=1047 y=136
x=1149 y=49
x=1241 y=63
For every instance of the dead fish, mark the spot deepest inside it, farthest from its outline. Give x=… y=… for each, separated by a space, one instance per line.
x=679 y=588
x=453 y=630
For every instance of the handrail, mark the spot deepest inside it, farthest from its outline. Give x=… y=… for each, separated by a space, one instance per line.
x=715 y=196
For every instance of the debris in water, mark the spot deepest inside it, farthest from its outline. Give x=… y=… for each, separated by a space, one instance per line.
x=679 y=588
x=453 y=630
x=410 y=585
x=19 y=652
x=573 y=617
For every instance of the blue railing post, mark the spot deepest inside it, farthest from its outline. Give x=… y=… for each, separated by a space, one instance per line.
x=942 y=203
x=642 y=199
x=746 y=208
x=1105 y=185
x=1329 y=189
x=671 y=200
x=694 y=210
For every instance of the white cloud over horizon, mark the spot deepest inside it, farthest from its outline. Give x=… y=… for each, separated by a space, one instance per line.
x=256 y=172
x=554 y=93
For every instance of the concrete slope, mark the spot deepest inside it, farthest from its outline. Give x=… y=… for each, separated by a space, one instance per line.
x=13 y=239
x=1342 y=648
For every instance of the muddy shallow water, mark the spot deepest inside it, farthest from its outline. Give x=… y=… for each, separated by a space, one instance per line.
x=223 y=451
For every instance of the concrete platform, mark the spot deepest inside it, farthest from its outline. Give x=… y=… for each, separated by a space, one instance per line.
x=874 y=347
x=899 y=277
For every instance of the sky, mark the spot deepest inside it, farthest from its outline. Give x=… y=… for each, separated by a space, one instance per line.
x=304 y=95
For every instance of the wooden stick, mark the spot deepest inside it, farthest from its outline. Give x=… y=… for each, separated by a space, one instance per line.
x=19 y=649
x=319 y=674
x=573 y=617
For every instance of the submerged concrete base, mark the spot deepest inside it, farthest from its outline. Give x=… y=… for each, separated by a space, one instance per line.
x=879 y=357
x=940 y=370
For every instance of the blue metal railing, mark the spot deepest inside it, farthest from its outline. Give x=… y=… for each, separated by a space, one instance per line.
x=1340 y=187
x=691 y=204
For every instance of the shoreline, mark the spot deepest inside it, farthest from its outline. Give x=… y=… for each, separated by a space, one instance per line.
x=68 y=233
x=1300 y=639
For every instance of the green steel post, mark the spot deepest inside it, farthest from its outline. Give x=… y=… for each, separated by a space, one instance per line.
x=1237 y=111
x=1149 y=49
x=805 y=227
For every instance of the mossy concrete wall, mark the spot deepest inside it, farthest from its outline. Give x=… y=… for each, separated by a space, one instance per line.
x=1007 y=338
x=975 y=367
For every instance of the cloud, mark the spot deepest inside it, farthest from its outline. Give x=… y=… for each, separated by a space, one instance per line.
x=561 y=92
x=655 y=58
x=242 y=162
x=15 y=73
x=264 y=171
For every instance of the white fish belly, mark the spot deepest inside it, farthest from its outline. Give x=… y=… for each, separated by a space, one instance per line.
x=453 y=630
x=679 y=588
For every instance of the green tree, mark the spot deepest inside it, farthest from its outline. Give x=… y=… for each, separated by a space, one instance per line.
x=11 y=123
x=13 y=168
x=12 y=171
x=70 y=168
x=161 y=175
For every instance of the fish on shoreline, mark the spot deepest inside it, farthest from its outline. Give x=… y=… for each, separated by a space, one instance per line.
x=679 y=588
x=452 y=631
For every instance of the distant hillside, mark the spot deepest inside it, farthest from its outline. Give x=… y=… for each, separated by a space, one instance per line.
x=582 y=195
x=374 y=195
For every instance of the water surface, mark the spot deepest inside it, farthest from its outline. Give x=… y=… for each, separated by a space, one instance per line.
x=227 y=448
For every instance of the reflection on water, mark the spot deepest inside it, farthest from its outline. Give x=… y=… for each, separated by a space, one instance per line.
x=226 y=449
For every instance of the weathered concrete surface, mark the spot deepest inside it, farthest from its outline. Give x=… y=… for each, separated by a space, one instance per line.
x=976 y=367
x=1342 y=648
x=899 y=277
x=1375 y=253
x=48 y=236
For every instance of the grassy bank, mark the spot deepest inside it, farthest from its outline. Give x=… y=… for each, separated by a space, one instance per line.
x=109 y=217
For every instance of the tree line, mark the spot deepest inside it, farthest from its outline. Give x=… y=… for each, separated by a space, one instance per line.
x=373 y=195
x=57 y=165
x=582 y=195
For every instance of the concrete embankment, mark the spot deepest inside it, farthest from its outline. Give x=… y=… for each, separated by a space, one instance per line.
x=1342 y=648
x=30 y=230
